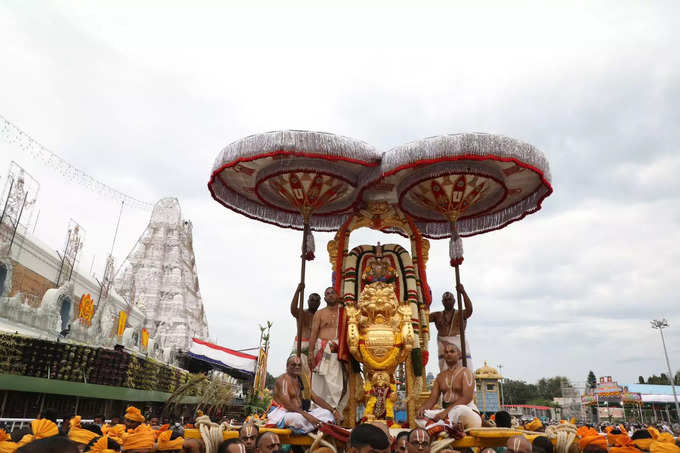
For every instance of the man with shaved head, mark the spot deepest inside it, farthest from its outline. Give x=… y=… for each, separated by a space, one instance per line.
x=267 y=442
x=418 y=441
x=456 y=386
x=248 y=435
x=448 y=324
x=518 y=444
x=287 y=410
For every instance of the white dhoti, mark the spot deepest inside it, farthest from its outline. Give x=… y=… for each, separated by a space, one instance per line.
x=454 y=339
x=296 y=422
x=328 y=376
x=467 y=415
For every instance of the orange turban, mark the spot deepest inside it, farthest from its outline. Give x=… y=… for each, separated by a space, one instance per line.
x=44 y=428
x=643 y=444
x=584 y=431
x=139 y=438
x=533 y=425
x=596 y=439
x=618 y=440
x=663 y=447
x=115 y=432
x=653 y=431
x=134 y=414
x=6 y=444
x=164 y=442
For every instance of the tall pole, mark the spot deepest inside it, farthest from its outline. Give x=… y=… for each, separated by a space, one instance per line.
x=461 y=316
x=16 y=225
x=61 y=266
x=2 y=217
x=500 y=368
x=662 y=324
x=301 y=294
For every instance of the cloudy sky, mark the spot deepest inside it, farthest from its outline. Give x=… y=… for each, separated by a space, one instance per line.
x=143 y=95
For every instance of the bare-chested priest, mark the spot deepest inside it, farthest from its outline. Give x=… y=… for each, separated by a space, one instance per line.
x=456 y=386
x=448 y=326
x=327 y=371
x=306 y=318
x=287 y=411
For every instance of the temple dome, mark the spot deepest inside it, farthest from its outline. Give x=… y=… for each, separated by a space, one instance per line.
x=487 y=372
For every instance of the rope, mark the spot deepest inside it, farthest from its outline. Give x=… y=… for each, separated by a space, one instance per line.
x=318 y=439
x=565 y=433
x=211 y=433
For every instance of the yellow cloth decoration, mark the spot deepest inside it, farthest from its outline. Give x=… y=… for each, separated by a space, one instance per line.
x=598 y=440
x=654 y=432
x=164 y=442
x=663 y=447
x=643 y=444
x=122 y=319
x=134 y=414
x=139 y=438
x=533 y=425
x=43 y=428
x=27 y=439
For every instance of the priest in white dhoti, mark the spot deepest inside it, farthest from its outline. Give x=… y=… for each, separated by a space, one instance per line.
x=288 y=411
x=448 y=326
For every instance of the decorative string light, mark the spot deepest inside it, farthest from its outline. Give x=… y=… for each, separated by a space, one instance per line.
x=15 y=136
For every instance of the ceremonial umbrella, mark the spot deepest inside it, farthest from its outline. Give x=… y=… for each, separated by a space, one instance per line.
x=293 y=179
x=466 y=184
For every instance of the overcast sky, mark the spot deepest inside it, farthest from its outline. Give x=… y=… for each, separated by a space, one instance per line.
x=143 y=95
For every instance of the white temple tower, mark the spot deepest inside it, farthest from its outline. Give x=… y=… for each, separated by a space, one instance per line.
x=159 y=276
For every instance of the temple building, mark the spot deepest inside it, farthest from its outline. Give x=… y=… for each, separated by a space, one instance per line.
x=487 y=394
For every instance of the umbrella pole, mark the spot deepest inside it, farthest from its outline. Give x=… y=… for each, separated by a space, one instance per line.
x=461 y=316
x=301 y=294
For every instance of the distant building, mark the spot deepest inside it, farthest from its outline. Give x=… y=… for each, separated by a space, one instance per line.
x=487 y=396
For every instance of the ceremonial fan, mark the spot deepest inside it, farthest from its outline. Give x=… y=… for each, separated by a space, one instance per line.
x=293 y=179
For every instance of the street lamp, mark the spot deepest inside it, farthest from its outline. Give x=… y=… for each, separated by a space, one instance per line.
x=500 y=367
x=662 y=324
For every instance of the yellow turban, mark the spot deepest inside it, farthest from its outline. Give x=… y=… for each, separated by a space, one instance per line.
x=80 y=435
x=139 y=438
x=27 y=439
x=44 y=428
x=653 y=431
x=665 y=437
x=534 y=425
x=134 y=414
x=6 y=444
x=115 y=432
x=101 y=446
x=643 y=444
x=663 y=447
x=596 y=439
x=164 y=442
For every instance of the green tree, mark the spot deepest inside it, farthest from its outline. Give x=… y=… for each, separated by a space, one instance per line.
x=591 y=380
x=518 y=392
x=641 y=380
x=676 y=379
x=549 y=388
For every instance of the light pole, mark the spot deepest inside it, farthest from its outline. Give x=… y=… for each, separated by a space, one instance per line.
x=662 y=324
x=500 y=368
